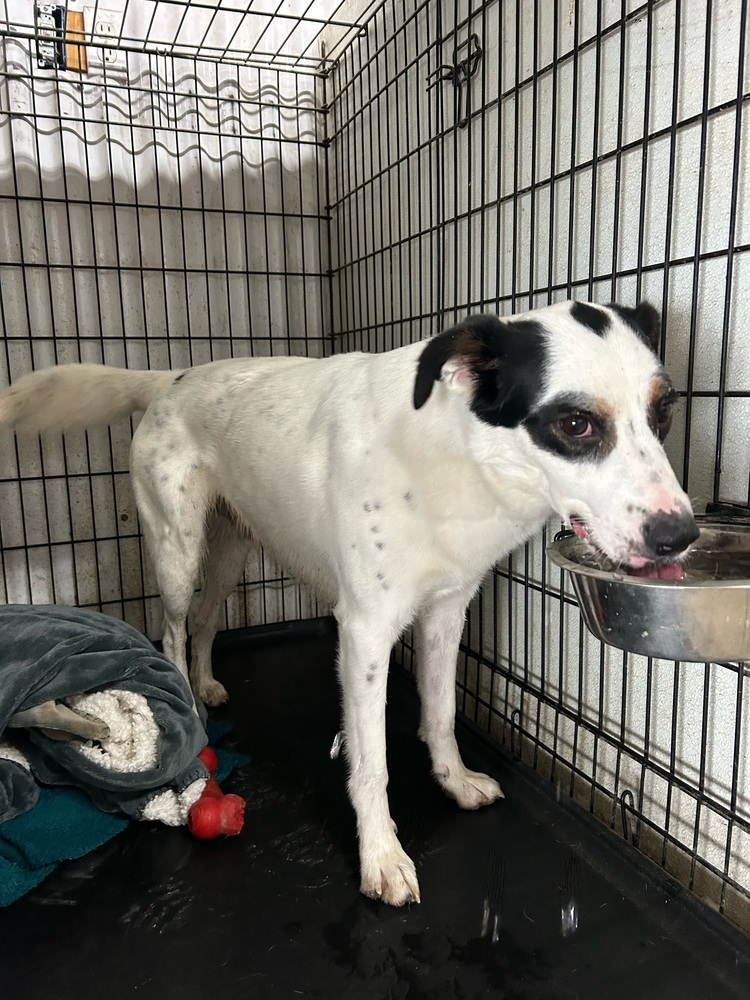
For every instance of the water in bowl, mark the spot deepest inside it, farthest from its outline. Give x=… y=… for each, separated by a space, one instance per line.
x=718 y=555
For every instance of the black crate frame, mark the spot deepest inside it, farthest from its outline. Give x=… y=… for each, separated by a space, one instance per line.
x=404 y=254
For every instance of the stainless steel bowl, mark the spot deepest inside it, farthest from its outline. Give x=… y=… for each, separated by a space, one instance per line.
x=706 y=616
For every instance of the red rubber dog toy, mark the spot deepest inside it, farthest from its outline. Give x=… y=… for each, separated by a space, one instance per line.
x=215 y=812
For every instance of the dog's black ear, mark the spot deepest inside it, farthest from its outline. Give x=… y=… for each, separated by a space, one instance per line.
x=645 y=319
x=648 y=318
x=475 y=344
x=502 y=362
x=437 y=353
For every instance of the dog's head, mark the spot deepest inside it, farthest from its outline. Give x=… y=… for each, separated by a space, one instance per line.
x=589 y=404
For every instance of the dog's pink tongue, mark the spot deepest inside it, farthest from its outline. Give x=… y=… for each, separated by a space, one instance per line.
x=667 y=571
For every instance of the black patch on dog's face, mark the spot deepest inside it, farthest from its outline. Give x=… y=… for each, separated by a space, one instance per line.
x=505 y=360
x=590 y=317
x=645 y=320
x=576 y=427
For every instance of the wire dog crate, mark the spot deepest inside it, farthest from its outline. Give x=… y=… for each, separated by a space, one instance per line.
x=307 y=178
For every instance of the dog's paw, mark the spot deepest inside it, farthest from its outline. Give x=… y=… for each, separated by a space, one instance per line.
x=391 y=877
x=470 y=788
x=212 y=693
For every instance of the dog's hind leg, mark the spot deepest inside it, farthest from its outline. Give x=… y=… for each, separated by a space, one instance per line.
x=172 y=496
x=438 y=634
x=176 y=552
x=387 y=872
x=228 y=548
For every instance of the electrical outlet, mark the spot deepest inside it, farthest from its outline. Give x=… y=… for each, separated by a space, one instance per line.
x=107 y=25
x=50 y=26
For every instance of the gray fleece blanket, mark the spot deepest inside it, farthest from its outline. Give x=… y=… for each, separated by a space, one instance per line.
x=54 y=653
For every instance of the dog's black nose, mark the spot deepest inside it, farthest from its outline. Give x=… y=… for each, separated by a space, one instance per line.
x=669 y=534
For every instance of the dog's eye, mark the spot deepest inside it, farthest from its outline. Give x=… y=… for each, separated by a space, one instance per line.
x=664 y=417
x=576 y=425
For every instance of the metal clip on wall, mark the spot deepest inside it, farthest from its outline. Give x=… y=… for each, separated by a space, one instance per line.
x=459 y=72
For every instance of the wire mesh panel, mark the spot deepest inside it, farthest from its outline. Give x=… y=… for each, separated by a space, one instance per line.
x=157 y=211
x=504 y=155
x=223 y=180
x=297 y=35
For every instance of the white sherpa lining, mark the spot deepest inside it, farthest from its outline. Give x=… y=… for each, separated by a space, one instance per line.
x=170 y=807
x=133 y=739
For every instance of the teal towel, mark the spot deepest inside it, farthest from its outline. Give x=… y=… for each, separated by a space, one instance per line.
x=64 y=824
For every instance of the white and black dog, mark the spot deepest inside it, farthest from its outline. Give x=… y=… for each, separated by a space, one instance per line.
x=390 y=483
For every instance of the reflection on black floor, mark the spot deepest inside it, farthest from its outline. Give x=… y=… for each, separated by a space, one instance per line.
x=525 y=899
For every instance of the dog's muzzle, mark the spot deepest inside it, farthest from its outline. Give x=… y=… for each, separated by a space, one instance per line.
x=667 y=535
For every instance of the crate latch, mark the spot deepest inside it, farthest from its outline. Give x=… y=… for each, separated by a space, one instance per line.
x=459 y=72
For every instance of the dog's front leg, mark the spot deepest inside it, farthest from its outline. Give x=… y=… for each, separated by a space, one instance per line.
x=438 y=635
x=387 y=872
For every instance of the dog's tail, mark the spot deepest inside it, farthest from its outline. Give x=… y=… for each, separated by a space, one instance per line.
x=76 y=397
